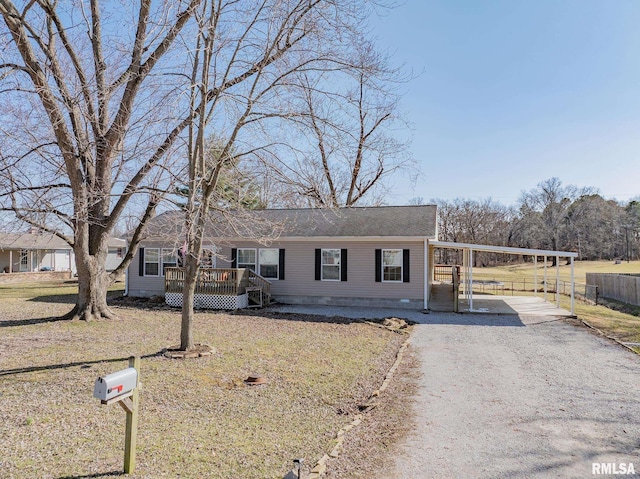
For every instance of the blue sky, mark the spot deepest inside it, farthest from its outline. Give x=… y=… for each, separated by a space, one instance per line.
x=510 y=93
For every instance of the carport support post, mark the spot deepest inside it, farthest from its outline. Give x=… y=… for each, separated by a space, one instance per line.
x=471 y=279
x=558 y=281
x=573 y=286
x=131 y=431
x=535 y=275
x=545 y=277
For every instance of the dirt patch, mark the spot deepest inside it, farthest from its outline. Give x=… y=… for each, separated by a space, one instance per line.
x=369 y=449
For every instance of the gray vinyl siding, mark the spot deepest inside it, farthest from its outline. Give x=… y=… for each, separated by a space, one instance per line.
x=113 y=261
x=145 y=285
x=300 y=270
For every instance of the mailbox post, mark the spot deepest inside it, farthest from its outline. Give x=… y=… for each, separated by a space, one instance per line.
x=123 y=387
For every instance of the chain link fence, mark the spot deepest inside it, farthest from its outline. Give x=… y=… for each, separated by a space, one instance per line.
x=584 y=291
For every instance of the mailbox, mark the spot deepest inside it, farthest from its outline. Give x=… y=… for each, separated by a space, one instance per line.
x=120 y=383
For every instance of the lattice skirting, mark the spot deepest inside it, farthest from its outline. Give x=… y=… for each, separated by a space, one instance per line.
x=209 y=301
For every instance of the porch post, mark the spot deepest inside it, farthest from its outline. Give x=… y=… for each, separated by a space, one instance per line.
x=10 y=261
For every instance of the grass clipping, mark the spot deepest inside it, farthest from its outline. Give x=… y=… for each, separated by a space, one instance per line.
x=197 y=417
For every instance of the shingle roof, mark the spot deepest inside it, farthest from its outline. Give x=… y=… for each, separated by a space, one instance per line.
x=43 y=241
x=31 y=241
x=382 y=221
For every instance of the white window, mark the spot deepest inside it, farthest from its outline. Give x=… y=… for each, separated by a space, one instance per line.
x=392 y=265
x=208 y=257
x=269 y=259
x=119 y=252
x=330 y=265
x=246 y=258
x=169 y=259
x=151 y=262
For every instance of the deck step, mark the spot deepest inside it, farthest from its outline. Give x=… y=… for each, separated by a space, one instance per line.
x=441 y=299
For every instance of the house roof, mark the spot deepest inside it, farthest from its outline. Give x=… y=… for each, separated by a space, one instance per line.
x=31 y=241
x=43 y=241
x=116 y=243
x=361 y=222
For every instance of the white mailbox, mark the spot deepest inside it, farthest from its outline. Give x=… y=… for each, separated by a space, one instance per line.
x=120 y=383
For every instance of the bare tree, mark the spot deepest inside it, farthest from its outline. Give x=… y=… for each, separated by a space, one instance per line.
x=351 y=125
x=543 y=212
x=246 y=73
x=92 y=98
x=472 y=221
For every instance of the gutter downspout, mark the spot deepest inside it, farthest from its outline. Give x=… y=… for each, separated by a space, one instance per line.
x=426 y=274
x=126 y=275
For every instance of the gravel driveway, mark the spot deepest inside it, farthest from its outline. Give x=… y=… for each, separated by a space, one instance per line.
x=512 y=397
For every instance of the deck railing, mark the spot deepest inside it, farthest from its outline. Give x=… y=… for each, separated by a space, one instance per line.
x=443 y=272
x=254 y=279
x=222 y=281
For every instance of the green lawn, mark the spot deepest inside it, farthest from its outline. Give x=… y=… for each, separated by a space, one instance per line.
x=197 y=417
x=526 y=271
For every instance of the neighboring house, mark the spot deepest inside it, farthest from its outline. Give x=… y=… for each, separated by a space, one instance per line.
x=374 y=256
x=30 y=252
x=117 y=249
x=37 y=251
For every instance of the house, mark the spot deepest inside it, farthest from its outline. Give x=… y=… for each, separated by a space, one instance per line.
x=44 y=252
x=373 y=256
x=116 y=250
x=35 y=251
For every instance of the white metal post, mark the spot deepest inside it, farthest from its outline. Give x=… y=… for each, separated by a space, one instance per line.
x=572 y=289
x=535 y=275
x=471 y=280
x=558 y=281
x=545 y=277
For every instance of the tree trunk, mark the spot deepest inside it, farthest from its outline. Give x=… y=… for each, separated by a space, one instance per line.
x=93 y=283
x=188 y=293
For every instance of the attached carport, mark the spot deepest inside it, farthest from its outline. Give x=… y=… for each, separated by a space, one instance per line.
x=468 y=251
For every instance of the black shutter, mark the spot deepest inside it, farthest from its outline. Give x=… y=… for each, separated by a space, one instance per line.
x=318 y=264
x=378 y=265
x=281 y=265
x=405 y=265
x=234 y=257
x=343 y=265
x=141 y=262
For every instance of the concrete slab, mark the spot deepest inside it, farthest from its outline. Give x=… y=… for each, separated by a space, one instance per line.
x=509 y=305
x=519 y=305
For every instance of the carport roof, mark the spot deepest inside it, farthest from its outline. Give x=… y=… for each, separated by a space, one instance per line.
x=503 y=249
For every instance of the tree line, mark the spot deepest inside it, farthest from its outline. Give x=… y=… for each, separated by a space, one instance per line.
x=551 y=216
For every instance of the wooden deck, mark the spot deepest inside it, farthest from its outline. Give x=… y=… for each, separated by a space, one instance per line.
x=222 y=282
